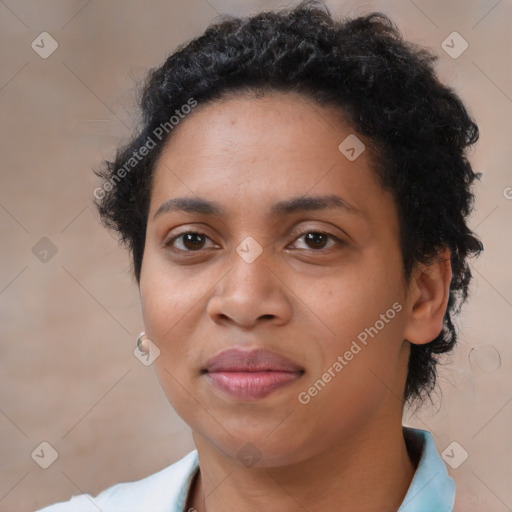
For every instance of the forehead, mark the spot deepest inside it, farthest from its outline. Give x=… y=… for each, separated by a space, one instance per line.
x=264 y=150
x=241 y=126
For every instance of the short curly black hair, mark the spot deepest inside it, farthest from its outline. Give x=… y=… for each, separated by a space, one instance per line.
x=388 y=91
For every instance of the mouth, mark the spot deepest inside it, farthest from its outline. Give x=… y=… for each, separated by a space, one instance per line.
x=250 y=375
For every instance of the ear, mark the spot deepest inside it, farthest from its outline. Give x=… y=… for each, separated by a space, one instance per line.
x=427 y=301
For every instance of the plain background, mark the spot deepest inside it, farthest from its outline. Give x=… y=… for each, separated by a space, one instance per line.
x=68 y=325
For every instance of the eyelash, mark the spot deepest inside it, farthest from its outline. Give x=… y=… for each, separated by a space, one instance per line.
x=300 y=235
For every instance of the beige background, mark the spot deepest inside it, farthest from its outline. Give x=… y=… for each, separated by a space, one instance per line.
x=68 y=326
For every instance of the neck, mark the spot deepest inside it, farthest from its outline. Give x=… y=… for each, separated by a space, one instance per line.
x=370 y=471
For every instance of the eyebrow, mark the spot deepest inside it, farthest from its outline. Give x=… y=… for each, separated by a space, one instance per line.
x=280 y=209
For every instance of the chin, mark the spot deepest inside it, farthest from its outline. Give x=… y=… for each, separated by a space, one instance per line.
x=261 y=445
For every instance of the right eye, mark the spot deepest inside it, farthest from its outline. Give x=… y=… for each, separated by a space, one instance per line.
x=190 y=241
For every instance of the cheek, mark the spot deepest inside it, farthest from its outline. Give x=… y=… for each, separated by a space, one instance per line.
x=168 y=295
x=356 y=380
x=166 y=313
x=167 y=301
x=354 y=303
x=366 y=323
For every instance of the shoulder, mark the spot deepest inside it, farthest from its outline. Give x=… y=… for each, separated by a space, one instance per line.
x=163 y=491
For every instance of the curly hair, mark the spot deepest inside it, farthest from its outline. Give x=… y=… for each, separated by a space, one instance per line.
x=385 y=87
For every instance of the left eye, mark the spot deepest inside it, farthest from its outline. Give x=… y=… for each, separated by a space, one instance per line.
x=318 y=239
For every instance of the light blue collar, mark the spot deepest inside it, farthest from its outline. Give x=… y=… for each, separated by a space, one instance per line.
x=431 y=489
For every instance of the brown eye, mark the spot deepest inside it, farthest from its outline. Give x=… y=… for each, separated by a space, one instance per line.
x=318 y=240
x=190 y=241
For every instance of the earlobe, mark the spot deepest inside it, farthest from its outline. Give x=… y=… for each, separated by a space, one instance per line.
x=428 y=299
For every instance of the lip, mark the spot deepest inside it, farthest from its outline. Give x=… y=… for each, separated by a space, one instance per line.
x=250 y=374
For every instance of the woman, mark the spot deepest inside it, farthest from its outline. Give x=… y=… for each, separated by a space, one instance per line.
x=295 y=207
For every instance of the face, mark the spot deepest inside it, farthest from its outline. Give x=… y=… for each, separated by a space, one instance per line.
x=316 y=282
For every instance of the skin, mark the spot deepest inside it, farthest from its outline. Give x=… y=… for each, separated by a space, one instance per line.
x=344 y=450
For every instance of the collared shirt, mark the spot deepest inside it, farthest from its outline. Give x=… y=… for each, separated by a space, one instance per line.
x=431 y=489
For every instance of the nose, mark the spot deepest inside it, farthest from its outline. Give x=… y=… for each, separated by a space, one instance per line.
x=250 y=293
